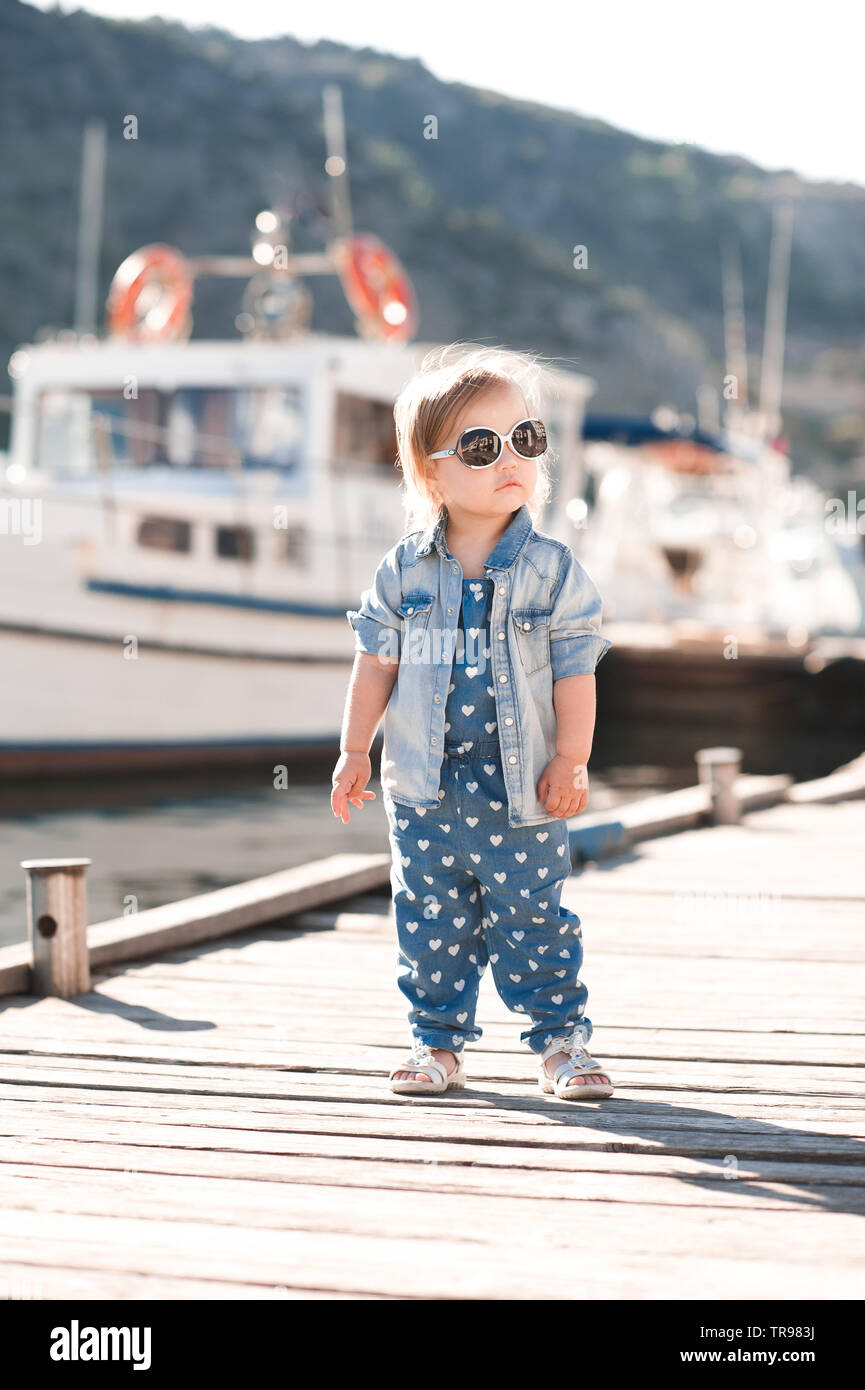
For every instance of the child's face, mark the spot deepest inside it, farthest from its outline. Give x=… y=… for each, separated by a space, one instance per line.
x=482 y=491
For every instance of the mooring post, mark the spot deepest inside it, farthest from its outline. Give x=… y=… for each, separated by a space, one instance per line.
x=57 y=925
x=718 y=769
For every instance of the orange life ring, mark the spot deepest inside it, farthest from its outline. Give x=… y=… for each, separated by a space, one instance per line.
x=151 y=294
x=377 y=287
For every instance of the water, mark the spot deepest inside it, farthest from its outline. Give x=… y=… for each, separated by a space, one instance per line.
x=157 y=841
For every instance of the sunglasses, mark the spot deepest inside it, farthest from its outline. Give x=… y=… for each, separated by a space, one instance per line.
x=479 y=447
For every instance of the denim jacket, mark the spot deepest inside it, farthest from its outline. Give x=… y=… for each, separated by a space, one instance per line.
x=544 y=621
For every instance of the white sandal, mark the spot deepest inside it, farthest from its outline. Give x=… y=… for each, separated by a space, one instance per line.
x=579 y=1064
x=421 y=1059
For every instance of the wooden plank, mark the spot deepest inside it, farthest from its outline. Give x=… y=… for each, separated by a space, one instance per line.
x=304 y=1061
x=845 y=782
x=597 y=834
x=498 y=1088
x=351 y=1152
x=703 y=1068
x=244 y=1201
x=597 y=1130
x=625 y=1255
x=750 y=1078
x=825 y=864
x=268 y=1115
x=209 y=915
x=34 y=1280
x=243 y=905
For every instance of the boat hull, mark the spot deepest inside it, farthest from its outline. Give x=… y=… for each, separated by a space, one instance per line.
x=78 y=706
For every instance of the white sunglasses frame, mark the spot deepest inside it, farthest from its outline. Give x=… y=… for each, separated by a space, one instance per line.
x=503 y=440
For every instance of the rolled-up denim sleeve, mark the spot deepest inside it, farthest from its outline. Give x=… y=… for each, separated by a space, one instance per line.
x=576 y=644
x=377 y=625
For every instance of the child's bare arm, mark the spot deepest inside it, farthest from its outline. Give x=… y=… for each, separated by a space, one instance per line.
x=371 y=685
x=564 y=785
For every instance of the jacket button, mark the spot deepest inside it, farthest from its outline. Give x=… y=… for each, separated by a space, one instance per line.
x=438 y=699
x=501 y=588
x=527 y=627
x=435 y=740
x=502 y=679
x=450 y=610
x=501 y=636
x=512 y=759
x=508 y=720
x=409 y=610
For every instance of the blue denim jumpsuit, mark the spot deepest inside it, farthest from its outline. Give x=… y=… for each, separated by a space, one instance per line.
x=468 y=889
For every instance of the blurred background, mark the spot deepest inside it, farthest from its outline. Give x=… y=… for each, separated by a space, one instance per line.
x=223 y=250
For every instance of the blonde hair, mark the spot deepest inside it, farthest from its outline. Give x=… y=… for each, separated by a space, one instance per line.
x=449 y=379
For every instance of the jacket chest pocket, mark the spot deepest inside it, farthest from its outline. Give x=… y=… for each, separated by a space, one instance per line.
x=415 y=612
x=533 y=637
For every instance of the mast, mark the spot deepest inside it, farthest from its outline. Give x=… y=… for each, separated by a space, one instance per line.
x=772 y=371
x=336 y=164
x=89 y=226
x=735 y=348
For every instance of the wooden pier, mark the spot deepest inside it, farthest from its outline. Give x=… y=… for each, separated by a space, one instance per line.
x=213 y=1121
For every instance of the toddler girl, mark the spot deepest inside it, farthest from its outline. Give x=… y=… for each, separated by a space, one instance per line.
x=479 y=639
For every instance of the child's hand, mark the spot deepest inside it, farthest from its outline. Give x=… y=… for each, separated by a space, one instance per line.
x=350 y=776
x=564 y=787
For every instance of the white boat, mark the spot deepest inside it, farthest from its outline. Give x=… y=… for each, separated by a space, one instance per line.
x=714 y=534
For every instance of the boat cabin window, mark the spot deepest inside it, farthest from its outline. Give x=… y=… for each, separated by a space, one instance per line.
x=83 y=432
x=364 y=433
x=165 y=533
x=234 y=542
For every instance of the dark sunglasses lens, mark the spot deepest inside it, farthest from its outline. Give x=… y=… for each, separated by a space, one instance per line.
x=530 y=439
x=479 y=448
